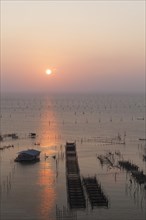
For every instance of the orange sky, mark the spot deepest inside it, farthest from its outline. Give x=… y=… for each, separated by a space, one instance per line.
x=91 y=45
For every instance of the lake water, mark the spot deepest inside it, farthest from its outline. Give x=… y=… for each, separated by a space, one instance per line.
x=100 y=125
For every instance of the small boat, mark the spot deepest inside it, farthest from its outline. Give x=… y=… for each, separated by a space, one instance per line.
x=142 y=139
x=1 y=138
x=14 y=136
x=36 y=143
x=144 y=157
x=54 y=157
x=140 y=118
x=30 y=155
x=32 y=135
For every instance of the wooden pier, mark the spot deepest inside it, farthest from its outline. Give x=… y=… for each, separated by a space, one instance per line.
x=6 y=147
x=76 y=198
x=128 y=166
x=94 y=192
x=138 y=175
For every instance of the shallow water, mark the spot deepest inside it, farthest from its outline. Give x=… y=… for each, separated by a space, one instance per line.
x=38 y=191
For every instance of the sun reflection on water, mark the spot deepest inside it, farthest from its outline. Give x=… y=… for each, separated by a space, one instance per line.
x=48 y=195
x=47 y=174
x=49 y=127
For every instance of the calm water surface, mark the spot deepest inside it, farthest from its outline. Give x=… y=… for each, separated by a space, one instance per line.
x=38 y=191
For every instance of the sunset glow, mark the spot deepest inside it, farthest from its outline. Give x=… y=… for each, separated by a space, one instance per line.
x=104 y=50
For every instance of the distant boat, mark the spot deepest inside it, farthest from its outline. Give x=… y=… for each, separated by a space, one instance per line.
x=32 y=135
x=142 y=139
x=144 y=157
x=140 y=118
x=14 y=136
x=1 y=138
x=28 y=156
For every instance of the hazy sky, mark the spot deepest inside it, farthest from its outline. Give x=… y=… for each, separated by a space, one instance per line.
x=89 y=45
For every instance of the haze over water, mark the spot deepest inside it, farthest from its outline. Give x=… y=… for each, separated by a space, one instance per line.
x=37 y=191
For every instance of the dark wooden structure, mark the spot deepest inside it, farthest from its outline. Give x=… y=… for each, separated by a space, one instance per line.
x=94 y=192
x=76 y=197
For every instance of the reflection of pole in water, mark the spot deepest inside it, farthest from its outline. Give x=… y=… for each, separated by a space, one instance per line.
x=115 y=177
x=65 y=214
x=136 y=192
x=6 y=185
x=56 y=167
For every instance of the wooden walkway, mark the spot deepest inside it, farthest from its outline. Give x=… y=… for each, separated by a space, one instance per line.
x=94 y=192
x=76 y=198
x=138 y=175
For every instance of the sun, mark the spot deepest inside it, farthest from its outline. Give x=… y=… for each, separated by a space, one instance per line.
x=48 y=71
